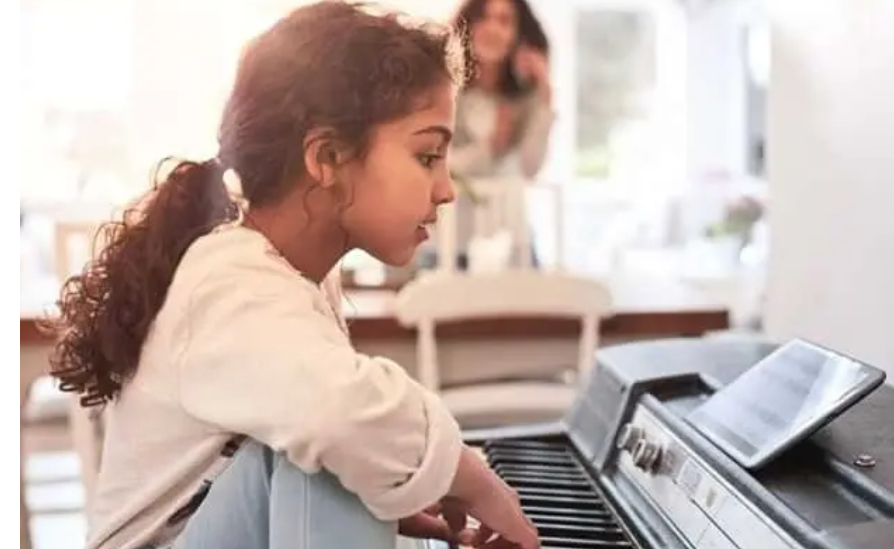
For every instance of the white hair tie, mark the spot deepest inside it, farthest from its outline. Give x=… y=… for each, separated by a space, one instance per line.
x=233 y=183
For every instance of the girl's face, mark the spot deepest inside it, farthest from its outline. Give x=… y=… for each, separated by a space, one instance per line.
x=494 y=35
x=396 y=188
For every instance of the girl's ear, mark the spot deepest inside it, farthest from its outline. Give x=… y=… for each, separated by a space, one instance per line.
x=322 y=155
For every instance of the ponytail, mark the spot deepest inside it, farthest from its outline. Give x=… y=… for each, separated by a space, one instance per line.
x=106 y=310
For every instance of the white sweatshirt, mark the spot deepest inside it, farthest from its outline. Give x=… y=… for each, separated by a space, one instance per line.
x=245 y=344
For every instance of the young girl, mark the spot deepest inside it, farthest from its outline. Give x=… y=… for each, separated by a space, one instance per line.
x=239 y=416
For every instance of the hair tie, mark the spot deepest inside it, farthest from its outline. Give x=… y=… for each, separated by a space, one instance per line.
x=233 y=183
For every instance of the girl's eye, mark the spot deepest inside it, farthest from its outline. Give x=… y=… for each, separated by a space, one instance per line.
x=428 y=160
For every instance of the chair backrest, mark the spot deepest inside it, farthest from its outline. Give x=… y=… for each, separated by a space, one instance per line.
x=75 y=244
x=444 y=297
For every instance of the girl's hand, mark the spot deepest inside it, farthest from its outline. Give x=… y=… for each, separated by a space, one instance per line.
x=482 y=494
x=444 y=521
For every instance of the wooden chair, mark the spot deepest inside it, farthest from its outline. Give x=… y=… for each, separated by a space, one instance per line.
x=76 y=243
x=496 y=398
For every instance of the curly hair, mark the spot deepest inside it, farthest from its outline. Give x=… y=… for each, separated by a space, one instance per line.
x=530 y=33
x=332 y=64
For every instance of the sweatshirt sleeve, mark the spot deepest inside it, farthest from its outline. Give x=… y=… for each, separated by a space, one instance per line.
x=535 y=139
x=264 y=359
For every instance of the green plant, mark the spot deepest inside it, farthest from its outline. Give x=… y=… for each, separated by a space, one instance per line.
x=739 y=217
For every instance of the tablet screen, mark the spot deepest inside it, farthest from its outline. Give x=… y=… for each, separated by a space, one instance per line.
x=782 y=399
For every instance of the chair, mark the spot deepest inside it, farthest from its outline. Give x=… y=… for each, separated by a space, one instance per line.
x=85 y=423
x=75 y=243
x=491 y=399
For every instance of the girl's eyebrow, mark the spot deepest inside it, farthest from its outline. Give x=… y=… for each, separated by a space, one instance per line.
x=443 y=131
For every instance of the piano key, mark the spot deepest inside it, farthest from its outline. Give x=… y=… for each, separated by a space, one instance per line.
x=547 y=542
x=529 y=452
x=598 y=513
x=561 y=461
x=550 y=501
x=537 y=470
x=532 y=481
x=526 y=444
x=582 y=532
x=555 y=492
x=550 y=519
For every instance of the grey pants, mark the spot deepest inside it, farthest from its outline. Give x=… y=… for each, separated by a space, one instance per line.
x=262 y=501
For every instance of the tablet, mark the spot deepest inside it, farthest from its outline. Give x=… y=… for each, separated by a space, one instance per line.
x=782 y=400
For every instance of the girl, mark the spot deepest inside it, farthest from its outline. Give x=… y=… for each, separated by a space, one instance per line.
x=504 y=113
x=239 y=415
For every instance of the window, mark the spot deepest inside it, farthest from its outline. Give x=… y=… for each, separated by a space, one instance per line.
x=108 y=91
x=615 y=72
x=619 y=138
x=76 y=76
x=619 y=74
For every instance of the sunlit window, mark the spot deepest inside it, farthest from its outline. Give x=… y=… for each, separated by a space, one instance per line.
x=112 y=86
x=77 y=62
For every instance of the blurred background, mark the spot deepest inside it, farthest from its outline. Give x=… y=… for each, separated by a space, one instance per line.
x=659 y=128
x=722 y=168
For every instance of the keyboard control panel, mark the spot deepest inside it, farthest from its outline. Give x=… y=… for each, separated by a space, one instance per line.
x=704 y=508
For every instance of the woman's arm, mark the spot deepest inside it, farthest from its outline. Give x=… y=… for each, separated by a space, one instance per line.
x=537 y=116
x=538 y=121
x=474 y=155
x=471 y=159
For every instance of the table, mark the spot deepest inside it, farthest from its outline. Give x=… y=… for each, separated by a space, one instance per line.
x=643 y=307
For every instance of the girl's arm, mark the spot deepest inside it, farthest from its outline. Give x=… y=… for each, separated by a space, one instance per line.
x=265 y=358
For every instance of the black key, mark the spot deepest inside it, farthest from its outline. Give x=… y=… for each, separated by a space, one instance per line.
x=571 y=543
x=538 y=481
x=555 y=492
x=547 y=519
x=537 y=471
x=579 y=532
x=592 y=512
x=568 y=502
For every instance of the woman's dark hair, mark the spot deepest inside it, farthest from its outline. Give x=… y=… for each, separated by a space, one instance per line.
x=530 y=33
x=329 y=65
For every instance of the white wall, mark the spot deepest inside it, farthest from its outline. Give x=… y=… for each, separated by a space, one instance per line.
x=184 y=56
x=831 y=169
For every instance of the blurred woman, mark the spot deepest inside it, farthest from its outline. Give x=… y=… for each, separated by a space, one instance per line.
x=504 y=113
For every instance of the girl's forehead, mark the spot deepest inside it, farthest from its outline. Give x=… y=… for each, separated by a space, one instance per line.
x=434 y=109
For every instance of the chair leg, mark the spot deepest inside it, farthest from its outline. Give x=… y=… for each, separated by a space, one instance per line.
x=24 y=519
x=85 y=438
x=24 y=513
